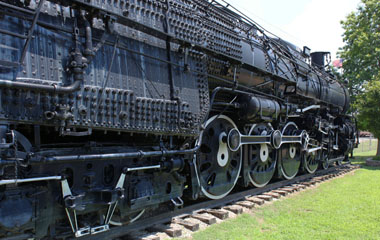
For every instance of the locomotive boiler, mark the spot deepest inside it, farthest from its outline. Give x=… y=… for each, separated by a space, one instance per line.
x=113 y=111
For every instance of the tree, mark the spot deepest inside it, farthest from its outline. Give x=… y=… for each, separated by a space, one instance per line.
x=361 y=65
x=368 y=105
x=361 y=52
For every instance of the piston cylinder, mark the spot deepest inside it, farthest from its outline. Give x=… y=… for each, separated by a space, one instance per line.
x=253 y=108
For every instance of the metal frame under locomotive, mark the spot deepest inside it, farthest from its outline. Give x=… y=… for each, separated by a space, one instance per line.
x=115 y=110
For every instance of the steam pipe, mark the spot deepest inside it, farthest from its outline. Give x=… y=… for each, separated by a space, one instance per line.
x=41 y=87
x=89 y=49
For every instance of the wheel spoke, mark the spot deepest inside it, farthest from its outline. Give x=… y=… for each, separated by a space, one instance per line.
x=311 y=161
x=263 y=158
x=290 y=154
x=325 y=160
x=218 y=167
x=289 y=163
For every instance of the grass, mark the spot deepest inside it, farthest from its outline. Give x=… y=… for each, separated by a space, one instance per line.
x=344 y=208
x=366 y=147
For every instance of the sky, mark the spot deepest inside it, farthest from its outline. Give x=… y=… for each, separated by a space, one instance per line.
x=312 y=23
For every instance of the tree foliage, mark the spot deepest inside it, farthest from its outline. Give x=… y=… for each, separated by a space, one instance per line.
x=368 y=105
x=361 y=52
x=361 y=65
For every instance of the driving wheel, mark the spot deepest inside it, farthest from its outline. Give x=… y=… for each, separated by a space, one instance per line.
x=290 y=153
x=218 y=167
x=261 y=157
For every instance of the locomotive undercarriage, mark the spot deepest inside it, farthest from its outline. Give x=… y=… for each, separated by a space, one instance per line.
x=46 y=196
x=85 y=186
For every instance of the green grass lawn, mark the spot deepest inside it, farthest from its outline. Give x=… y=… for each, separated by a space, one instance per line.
x=343 y=208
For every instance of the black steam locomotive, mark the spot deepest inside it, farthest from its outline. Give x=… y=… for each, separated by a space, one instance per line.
x=112 y=110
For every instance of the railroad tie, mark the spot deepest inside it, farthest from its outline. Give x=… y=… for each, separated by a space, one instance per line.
x=287 y=189
x=281 y=192
x=234 y=208
x=273 y=195
x=204 y=218
x=317 y=179
x=219 y=213
x=325 y=177
x=265 y=197
x=192 y=226
x=246 y=204
x=171 y=231
x=255 y=200
x=308 y=184
x=299 y=186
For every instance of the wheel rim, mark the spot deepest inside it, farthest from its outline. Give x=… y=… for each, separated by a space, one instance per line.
x=311 y=160
x=118 y=221
x=218 y=168
x=290 y=156
x=325 y=160
x=261 y=158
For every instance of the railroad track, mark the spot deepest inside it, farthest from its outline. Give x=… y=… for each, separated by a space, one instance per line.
x=191 y=218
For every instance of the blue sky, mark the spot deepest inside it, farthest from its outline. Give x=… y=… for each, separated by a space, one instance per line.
x=314 y=23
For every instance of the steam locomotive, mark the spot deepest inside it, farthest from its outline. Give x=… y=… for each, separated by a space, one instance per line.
x=112 y=110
